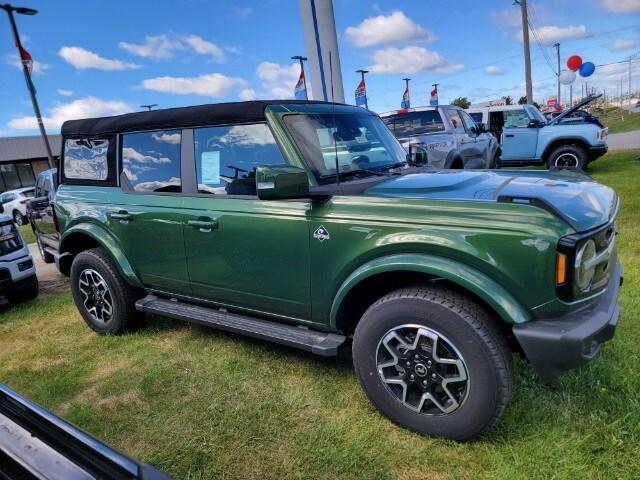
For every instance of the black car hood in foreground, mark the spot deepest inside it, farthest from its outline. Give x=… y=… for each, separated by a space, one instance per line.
x=34 y=443
x=575 y=197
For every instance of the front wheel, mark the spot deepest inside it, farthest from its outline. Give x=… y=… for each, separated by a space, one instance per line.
x=432 y=360
x=18 y=218
x=567 y=157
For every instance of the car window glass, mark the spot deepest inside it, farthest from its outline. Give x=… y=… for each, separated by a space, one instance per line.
x=86 y=159
x=516 y=119
x=456 y=121
x=415 y=123
x=227 y=157
x=46 y=187
x=467 y=120
x=39 y=186
x=477 y=117
x=8 y=197
x=151 y=161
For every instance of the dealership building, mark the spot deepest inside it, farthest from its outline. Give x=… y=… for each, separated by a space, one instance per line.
x=22 y=158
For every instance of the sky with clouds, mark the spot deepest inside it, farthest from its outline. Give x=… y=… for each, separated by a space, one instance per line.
x=109 y=57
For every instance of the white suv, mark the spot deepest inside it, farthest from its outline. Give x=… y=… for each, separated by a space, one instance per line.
x=15 y=203
x=18 y=281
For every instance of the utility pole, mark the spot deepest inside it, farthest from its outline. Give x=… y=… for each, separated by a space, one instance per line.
x=366 y=100
x=527 y=52
x=557 y=45
x=27 y=75
x=149 y=107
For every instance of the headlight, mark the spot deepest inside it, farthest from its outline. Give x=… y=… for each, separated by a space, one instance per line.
x=585 y=274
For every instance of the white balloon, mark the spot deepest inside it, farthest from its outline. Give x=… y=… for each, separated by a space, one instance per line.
x=567 y=77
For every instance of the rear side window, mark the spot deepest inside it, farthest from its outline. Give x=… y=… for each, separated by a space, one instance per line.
x=227 y=157
x=151 y=161
x=415 y=123
x=86 y=159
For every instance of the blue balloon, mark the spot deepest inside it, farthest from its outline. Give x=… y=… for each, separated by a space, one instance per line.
x=587 y=69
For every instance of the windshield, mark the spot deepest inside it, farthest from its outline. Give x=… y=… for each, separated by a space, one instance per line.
x=415 y=123
x=360 y=142
x=535 y=114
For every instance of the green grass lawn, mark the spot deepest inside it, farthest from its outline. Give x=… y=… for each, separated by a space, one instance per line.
x=27 y=233
x=205 y=404
x=619 y=120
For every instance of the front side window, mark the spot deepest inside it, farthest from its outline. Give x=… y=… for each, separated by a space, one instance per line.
x=356 y=142
x=227 y=157
x=516 y=119
x=469 y=124
x=86 y=159
x=415 y=123
x=151 y=161
x=477 y=117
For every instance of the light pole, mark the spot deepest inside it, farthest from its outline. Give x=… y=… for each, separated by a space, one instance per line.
x=366 y=101
x=302 y=59
x=27 y=75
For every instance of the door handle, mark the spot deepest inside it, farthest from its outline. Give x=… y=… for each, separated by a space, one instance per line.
x=122 y=216
x=205 y=226
x=509 y=135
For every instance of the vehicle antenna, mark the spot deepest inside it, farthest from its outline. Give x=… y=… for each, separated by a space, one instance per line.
x=333 y=115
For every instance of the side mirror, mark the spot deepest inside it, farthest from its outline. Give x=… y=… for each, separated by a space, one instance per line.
x=533 y=124
x=417 y=156
x=274 y=182
x=482 y=128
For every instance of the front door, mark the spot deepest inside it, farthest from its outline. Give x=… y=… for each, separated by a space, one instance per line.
x=241 y=251
x=519 y=140
x=147 y=213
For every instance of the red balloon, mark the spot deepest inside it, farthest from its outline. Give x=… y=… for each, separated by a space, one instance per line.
x=574 y=62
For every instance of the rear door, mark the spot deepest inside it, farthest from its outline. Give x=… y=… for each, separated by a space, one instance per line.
x=465 y=141
x=146 y=214
x=519 y=139
x=242 y=251
x=42 y=210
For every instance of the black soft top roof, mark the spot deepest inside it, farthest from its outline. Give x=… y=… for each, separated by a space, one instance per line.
x=211 y=114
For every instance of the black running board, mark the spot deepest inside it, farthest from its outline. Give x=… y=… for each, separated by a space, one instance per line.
x=320 y=343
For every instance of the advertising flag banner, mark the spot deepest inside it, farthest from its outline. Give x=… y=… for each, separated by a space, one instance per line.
x=300 y=92
x=27 y=61
x=406 y=101
x=361 y=94
x=434 y=96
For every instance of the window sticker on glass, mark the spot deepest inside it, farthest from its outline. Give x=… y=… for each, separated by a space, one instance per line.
x=210 y=164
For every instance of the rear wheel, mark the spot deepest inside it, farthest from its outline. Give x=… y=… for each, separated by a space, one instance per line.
x=433 y=361
x=567 y=157
x=46 y=256
x=105 y=300
x=18 y=218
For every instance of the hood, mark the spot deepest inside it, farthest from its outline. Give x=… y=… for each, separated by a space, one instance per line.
x=574 y=197
x=577 y=106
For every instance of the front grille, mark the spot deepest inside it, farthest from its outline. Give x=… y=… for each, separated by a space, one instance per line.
x=10 y=240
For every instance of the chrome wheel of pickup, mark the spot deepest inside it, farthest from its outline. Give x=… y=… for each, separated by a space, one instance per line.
x=422 y=369
x=96 y=296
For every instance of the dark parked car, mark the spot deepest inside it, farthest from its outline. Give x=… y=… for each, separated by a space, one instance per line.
x=36 y=444
x=42 y=215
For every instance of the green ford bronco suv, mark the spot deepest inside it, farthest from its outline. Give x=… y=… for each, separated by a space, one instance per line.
x=305 y=224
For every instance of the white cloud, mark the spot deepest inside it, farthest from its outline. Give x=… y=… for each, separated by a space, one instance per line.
x=131 y=155
x=210 y=85
x=509 y=17
x=165 y=46
x=38 y=67
x=172 y=138
x=385 y=29
x=83 y=59
x=82 y=108
x=243 y=12
x=551 y=33
x=247 y=94
x=621 y=6
x=204 y=47
x=411 y=60
x=64 y=92
x=249 y=135
x=493 y=70
x=622 y=44
x=157 y=185
x=279 y=80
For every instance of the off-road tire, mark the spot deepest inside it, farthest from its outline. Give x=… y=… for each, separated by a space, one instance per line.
x=571 y=157
x=123 y=296
x=27 y=289
x=46 y=256
x=471 y=331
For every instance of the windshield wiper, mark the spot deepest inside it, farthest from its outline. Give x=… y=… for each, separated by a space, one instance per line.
x=344 y=173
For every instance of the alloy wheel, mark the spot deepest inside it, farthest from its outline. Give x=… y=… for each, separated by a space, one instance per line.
x=96 y=296
x=567 y=160
x=422 y=369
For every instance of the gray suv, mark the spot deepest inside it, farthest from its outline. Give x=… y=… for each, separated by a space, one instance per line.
x=450 y=137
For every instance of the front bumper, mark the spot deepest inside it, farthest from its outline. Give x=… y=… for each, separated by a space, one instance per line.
x=597 y=152
x=555 y=345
